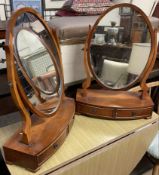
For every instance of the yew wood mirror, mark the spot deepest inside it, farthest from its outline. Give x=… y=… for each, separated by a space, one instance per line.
x=36 y=81
x=119 y=53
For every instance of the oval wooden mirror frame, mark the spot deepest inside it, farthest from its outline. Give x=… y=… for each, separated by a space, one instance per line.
x=35 y=88
x=41 y=134
x=116 y=104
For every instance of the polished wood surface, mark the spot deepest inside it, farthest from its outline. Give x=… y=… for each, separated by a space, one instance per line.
x=95 y=145
x=46 y=137
x=100 y=98
x=113 y=104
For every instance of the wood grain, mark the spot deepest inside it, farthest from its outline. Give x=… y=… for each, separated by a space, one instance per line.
x=37 y=139
x=47 y=135
x=117 y=105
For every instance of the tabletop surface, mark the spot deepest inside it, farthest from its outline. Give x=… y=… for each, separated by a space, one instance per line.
x=86 y=135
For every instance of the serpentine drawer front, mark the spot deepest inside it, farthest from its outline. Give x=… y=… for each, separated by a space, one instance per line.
x=113 y=112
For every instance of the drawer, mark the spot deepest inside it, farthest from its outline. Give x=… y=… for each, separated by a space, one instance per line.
x=94 y=111
x=42 y=157
x=114 y=113
x=134 y=113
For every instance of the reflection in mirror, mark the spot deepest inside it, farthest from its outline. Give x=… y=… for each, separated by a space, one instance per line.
x=120 y=47
x=36 y=61
x=37 y=67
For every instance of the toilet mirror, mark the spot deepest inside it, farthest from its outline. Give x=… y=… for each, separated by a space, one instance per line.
x=35 y=76
x=38 y=64
x=120 y=52
x=119 y=47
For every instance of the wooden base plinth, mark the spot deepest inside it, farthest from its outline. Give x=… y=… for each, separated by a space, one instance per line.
x=46 y=137
x=113 y=104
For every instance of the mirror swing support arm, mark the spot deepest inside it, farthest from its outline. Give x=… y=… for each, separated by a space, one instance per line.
x=143 y=82
x=115 y=60
x=42 y=103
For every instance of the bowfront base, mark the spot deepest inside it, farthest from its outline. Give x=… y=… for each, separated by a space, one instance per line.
x=46 y=137
x=117 y=105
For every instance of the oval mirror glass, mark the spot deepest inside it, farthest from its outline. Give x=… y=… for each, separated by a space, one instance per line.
x=37 y=63
x=119 y=48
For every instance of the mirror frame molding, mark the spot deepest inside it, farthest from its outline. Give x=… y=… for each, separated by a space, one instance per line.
x=28 y=147
x=89 y=101
x=12 y=73
x=21 y=66
x=144 y=75
x=36 y=89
